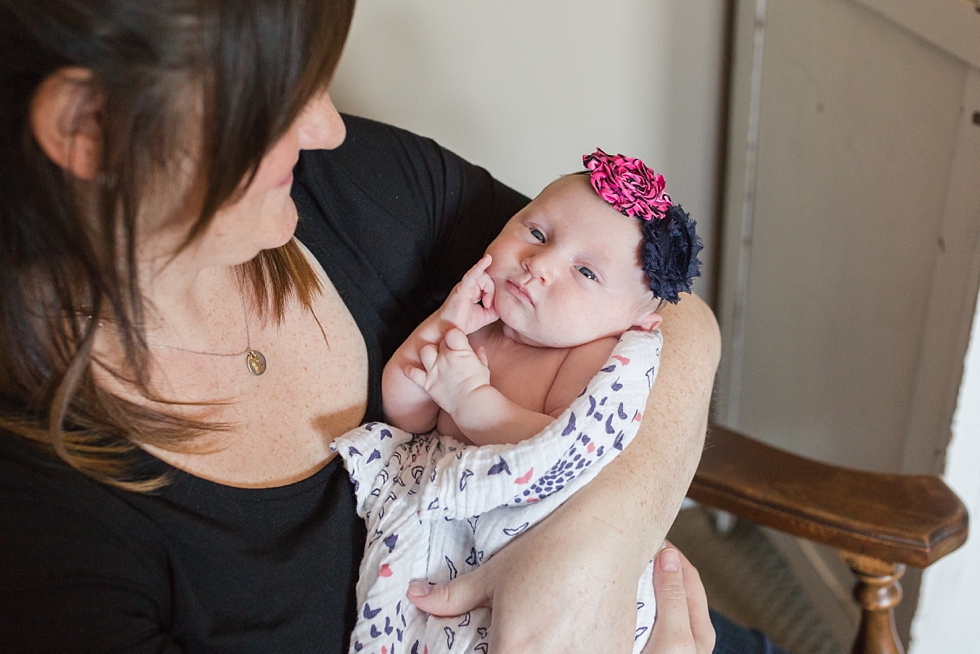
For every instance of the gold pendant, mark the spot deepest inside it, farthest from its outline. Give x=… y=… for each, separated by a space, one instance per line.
x=255 y=362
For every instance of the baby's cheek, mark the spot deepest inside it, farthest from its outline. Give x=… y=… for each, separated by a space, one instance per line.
x=568 y=325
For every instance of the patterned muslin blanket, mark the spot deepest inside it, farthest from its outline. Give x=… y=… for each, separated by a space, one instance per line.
x=436 y=508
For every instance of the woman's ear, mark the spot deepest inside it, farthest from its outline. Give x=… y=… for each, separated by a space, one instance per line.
x=65 y=121
x=648 y=321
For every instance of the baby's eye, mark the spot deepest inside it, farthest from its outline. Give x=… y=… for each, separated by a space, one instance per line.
x=536 y=233
x=588 y=273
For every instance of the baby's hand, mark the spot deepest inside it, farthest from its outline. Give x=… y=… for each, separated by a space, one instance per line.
x=453 y=371
x=470 y=304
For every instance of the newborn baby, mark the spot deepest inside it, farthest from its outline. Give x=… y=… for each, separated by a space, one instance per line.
x=565 y=299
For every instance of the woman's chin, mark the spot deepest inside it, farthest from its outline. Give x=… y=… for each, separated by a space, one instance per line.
x=284 y=230
x=282 y=241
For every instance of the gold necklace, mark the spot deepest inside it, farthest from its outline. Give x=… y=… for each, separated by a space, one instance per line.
x=254 y=360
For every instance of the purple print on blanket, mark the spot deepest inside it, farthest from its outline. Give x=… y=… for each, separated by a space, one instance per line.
x=437 y=509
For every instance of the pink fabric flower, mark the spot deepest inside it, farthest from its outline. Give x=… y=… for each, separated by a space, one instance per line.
x=628 y=185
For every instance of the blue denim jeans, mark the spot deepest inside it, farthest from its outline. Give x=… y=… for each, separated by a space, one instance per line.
x=731 y=638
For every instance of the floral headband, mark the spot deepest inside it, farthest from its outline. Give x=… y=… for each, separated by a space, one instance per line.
x=628 y=185
x=669 y=252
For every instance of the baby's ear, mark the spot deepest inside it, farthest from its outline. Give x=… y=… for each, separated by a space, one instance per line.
x=647 y=321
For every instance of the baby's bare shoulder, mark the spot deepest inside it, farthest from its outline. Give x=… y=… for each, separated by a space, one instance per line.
x=579 y=367
x=523 y=373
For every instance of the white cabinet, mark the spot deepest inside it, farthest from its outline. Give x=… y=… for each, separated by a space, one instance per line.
x=850 y=262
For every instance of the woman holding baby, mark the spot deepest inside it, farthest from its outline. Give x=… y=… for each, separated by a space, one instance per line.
x=174 y=363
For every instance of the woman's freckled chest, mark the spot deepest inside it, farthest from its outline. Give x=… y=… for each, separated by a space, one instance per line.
x=283 y=421
x=323 y=391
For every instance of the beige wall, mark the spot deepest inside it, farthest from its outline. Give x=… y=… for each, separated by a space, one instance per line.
x=525 y=87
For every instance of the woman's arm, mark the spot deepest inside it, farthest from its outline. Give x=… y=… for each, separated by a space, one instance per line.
x=649 y=483
x=569 y=584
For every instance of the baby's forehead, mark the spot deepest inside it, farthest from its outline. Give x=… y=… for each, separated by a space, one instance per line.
x=572 y=210
x=602 y=232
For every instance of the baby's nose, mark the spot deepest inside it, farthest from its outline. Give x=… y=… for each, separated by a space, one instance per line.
x=540 y=266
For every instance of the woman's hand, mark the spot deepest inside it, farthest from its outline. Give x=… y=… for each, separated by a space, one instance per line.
x=569 y=583
x=682 y=625
x=565 y=586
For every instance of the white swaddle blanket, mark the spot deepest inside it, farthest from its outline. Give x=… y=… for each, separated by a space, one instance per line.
x=436 y=508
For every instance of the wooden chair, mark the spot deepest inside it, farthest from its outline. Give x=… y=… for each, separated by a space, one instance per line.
x=879 y=522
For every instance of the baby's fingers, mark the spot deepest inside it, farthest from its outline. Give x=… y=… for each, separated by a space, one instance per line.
x=476 y=283
x=477 y=271
x=428 y=355
x=456 y=340
x=486 y=301
x=415 y=375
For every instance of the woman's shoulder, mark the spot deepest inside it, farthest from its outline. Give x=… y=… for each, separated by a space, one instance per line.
x=382 y=161
x=383 y=169
x=385 y=192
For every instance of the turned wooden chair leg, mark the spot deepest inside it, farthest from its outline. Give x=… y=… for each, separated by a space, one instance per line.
x=879 y=592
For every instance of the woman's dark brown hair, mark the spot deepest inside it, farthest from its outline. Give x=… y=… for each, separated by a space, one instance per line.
x=237 y=72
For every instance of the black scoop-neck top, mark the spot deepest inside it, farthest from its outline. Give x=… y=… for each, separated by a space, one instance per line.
x=395 y=220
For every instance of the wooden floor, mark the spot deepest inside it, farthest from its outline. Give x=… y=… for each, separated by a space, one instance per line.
x=749 y=582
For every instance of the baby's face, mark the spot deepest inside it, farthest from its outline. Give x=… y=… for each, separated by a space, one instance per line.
x=566 y=269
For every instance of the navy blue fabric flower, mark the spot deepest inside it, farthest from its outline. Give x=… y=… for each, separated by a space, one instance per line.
x=669 y=254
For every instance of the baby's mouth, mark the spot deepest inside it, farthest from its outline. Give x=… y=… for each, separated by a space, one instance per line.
x=518 y=290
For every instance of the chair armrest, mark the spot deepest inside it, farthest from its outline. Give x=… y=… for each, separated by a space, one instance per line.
x=912 y=519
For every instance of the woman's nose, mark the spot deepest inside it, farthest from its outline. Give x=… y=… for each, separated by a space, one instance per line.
x=320 y=126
